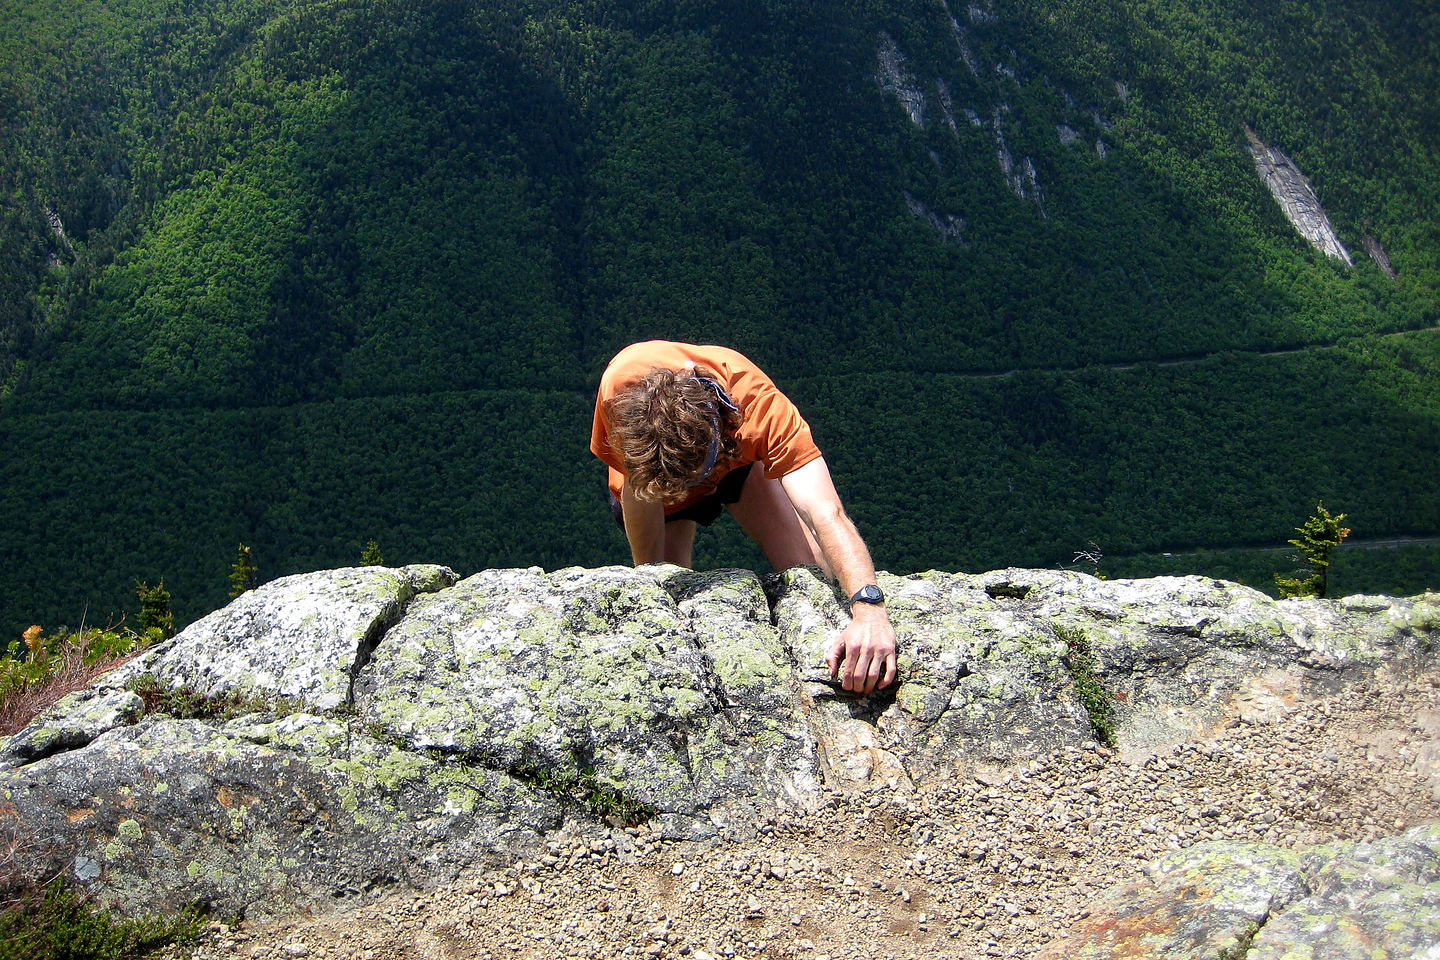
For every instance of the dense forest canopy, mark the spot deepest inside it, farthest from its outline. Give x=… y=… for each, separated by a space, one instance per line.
x=304 y=273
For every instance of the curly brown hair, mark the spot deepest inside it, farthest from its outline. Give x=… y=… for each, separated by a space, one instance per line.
x=662 y=426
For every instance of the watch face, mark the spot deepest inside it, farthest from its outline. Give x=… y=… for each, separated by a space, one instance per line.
x=870 y=594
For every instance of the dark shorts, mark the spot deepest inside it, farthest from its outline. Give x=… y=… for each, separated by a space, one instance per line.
x=703 y=512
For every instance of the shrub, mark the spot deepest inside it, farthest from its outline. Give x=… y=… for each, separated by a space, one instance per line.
x=56 y=923
x=44 y=669
x=156 y=620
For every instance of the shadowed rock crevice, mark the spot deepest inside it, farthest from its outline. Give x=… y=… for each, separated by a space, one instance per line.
x=390 y=616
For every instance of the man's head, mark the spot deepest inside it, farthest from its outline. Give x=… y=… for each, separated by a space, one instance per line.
x=666 y=426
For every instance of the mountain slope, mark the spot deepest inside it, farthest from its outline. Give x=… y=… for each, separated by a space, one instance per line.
x=299 y=274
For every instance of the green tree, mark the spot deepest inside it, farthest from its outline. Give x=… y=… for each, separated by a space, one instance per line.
x=155 y=615
x=1319 y=537
x=243 y=573
x=371 y=557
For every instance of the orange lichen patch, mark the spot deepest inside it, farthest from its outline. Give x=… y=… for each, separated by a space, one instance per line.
x=1133 y=934
x=227 y=798
x=1149 y=922
x=79 y=813
x=1159 y=923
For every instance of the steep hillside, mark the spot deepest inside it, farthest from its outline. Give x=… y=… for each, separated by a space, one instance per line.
x=300 y=274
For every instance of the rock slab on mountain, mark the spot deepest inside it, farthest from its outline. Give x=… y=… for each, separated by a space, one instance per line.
x=399 y=727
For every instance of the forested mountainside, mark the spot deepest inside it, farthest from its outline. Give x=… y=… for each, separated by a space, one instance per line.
x=303 y=273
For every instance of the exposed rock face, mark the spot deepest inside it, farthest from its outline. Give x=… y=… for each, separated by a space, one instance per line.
x=947 y=225
x=1020 y=177
x=1377 y=253
x=894 y=76
x=1297 y=198
x=403 y=727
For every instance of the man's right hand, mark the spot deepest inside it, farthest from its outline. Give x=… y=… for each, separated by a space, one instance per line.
x=866 y=650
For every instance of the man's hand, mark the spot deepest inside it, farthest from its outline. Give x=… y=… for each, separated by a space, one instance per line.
x=866 y=649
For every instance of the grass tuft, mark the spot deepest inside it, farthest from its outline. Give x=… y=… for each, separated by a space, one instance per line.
x=582 y=787
x=1098 y=701
x=185 y=703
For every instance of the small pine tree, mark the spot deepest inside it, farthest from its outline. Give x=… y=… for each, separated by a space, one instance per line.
x=1318 y=540
x=243 y=573
x=155 y=615
x=370 y=557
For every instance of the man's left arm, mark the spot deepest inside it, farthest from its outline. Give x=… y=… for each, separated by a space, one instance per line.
x=867 y=646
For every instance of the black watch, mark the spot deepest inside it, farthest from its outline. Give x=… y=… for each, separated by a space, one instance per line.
x=870 y=594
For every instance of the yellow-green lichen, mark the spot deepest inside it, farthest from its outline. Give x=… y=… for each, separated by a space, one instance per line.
x=461 y=799
x=770 y=738
x=349 y=801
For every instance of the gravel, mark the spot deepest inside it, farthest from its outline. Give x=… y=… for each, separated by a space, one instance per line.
x=994 y=866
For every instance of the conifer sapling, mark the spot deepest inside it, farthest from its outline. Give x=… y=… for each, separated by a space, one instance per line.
x=1318 y=540
x=243 y=574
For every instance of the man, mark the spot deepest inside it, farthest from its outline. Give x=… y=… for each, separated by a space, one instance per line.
x=687 y=429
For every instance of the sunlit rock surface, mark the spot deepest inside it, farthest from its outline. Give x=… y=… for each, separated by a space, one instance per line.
x=347 y=731
x=1292 y=190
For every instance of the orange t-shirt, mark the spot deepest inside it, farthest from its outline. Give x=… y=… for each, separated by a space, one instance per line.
x=772 y=431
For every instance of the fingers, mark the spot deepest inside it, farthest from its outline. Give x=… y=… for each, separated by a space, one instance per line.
x=869 y=662
x=867 y=672
x=834 y=656
x=892 y=670
x=862 y=666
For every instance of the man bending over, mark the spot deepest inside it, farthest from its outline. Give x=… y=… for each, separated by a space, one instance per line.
x=687 y=429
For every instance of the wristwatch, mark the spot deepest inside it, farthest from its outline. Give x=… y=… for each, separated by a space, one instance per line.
x=868 y=594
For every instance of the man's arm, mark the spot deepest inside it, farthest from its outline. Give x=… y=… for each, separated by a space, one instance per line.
x=867 y=645
x=644 y=527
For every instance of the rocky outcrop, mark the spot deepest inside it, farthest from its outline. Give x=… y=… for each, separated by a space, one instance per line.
x=1292 y=190
x=1260 y=902
x=894 y=77
x=948 y=225
x=342 y=732
x=1378 y=254
x=997 y=79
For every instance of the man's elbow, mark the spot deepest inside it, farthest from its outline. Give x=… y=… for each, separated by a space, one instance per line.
x=828 y=515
